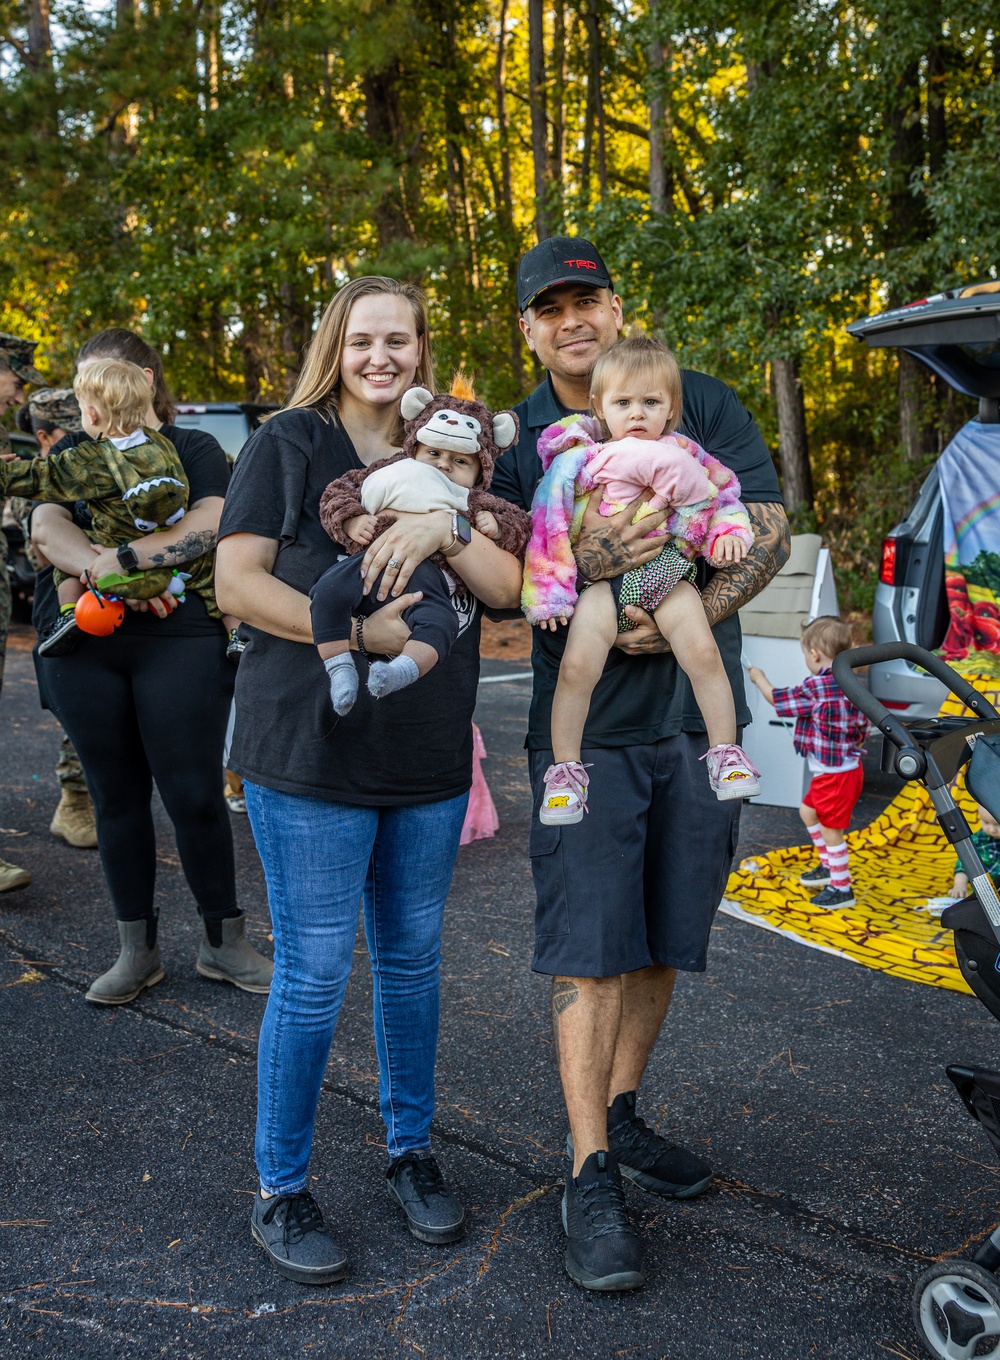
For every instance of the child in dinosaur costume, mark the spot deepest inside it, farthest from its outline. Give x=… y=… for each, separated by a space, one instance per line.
x=446 y=463
x=130 y=478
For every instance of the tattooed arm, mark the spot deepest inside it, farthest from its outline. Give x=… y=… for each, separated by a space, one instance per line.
x=731 y=587
x=610 y=545
x=191 y=537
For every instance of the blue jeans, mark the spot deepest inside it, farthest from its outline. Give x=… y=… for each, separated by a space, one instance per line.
x=319 y=860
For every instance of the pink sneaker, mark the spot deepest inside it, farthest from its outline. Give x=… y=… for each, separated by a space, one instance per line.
x=732 y=773
x=565 y=799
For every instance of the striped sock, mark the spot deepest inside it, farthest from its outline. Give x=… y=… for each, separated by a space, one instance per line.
x=817 y=839
x=840 y=874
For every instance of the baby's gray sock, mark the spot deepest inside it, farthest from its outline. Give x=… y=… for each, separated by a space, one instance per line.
x=343 y=675
x=385 y=677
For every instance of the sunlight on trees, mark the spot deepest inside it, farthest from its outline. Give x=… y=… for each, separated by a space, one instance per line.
x=756 y=176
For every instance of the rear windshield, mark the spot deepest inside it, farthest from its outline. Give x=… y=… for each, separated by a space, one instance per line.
x=230 y=428
x=986 y=354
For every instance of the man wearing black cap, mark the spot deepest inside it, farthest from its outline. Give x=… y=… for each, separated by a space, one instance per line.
x=16 y=369
x=627 y=897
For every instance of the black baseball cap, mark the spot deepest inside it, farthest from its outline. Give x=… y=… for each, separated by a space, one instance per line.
x=560 y=259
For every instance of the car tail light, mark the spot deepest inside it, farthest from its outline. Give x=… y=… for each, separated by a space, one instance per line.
x=887 y=571
x=893 y=703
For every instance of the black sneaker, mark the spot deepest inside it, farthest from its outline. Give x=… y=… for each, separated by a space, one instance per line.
x=433 y=1213
x=235 y=647
x=831 y=898
x=62 y=637
x=291 y=1230
x=648 y=1160
x=816 y=878
x=603 y=1250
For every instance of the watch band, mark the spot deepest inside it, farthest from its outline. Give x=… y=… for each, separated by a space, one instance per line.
x=127 y=557
x=461 y=535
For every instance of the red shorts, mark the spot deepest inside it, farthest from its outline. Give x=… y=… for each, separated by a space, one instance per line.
x=832 y=797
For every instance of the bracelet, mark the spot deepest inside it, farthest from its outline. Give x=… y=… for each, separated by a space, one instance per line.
x=361 y=640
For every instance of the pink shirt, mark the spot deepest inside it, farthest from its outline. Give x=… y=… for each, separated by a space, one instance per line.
x=624 y=467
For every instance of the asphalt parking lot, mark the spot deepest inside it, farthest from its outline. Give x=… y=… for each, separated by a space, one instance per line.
x=816 y=1087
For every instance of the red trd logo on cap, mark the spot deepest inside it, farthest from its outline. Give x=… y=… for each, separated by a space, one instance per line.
x=581 y=264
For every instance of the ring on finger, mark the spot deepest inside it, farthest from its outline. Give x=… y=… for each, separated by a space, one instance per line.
x=395 y=562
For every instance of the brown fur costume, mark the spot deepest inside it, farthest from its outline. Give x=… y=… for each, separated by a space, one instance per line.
x=341 y=500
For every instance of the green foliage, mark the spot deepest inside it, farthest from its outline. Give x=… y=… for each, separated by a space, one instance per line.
x=210 y=172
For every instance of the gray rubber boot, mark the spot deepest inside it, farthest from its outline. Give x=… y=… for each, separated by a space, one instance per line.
x=235 y=960
x=138 y=966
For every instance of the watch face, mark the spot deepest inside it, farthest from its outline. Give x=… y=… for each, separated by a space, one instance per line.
x=463 y=529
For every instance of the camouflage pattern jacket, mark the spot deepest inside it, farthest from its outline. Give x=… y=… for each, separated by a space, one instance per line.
x=142 y=488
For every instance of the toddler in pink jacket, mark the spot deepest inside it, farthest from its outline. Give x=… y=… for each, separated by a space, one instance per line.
x=636 y=393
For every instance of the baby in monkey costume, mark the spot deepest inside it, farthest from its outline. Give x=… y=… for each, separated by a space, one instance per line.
x=446 y=463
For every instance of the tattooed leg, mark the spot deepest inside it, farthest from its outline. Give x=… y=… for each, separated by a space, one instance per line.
x=586 y=1015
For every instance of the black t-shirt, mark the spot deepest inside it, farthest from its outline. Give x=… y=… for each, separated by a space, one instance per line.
x=207 y=470
x=639 y=700
x=414 y=746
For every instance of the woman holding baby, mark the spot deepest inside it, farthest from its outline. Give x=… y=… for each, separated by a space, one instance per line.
x=364 y=804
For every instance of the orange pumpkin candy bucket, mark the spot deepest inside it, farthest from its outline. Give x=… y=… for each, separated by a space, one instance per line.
x=98 y=614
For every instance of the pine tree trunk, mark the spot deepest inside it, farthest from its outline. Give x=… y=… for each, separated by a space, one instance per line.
x=507 y=195
x=661 y=186
x=383 y=118
x=595 y=91
x=539 y=118
x=253 y=357
x=39 y=36
x=796 y=473
x=907 y=224
x=557 y=109
x=912 y=388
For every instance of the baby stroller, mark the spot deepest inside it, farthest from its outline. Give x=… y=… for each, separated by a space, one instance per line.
x=956 y=1303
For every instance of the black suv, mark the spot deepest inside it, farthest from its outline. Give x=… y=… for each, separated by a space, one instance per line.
x=957 y=335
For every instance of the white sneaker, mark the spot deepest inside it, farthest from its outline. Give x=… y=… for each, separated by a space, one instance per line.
x=565 y=799
x=732 y=773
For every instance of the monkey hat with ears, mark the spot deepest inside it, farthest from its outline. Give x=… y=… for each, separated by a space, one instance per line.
x=455 y=422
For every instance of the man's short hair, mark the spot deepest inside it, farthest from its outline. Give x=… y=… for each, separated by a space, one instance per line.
x=828 y=635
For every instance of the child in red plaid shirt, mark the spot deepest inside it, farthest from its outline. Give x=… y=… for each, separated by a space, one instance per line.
x=828 y=732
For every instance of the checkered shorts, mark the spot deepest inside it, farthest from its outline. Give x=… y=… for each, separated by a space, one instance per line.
x=650 y=585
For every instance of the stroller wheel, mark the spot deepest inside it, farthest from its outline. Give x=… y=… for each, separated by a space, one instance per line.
x=956 y=1309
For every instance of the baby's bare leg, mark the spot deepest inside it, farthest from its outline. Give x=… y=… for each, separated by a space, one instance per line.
x=592 y=632
x=682 y=621
x=70 y=590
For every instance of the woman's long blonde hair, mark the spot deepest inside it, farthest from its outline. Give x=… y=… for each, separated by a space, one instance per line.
x=318 y=387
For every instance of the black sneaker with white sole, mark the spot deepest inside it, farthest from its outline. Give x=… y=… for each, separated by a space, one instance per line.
x=291 y=1230
x=603 y=1251
x=62 y=637
x=648 y=1160
x=432 y=1209
x=831 y=898
x=816 y=878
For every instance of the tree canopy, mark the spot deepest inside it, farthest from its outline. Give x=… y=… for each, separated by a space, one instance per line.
x=209 y=171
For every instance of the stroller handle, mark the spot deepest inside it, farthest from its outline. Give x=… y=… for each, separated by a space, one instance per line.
x=861 y=697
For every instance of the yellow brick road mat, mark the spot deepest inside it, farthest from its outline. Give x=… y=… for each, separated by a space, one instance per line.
x=897 y=863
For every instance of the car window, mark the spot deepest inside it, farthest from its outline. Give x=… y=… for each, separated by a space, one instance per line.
x=230 y=428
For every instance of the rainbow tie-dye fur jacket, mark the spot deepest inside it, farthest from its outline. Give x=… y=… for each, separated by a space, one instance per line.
x=567 y=450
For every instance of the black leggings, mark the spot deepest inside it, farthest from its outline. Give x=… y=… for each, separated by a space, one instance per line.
x=139 y=709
